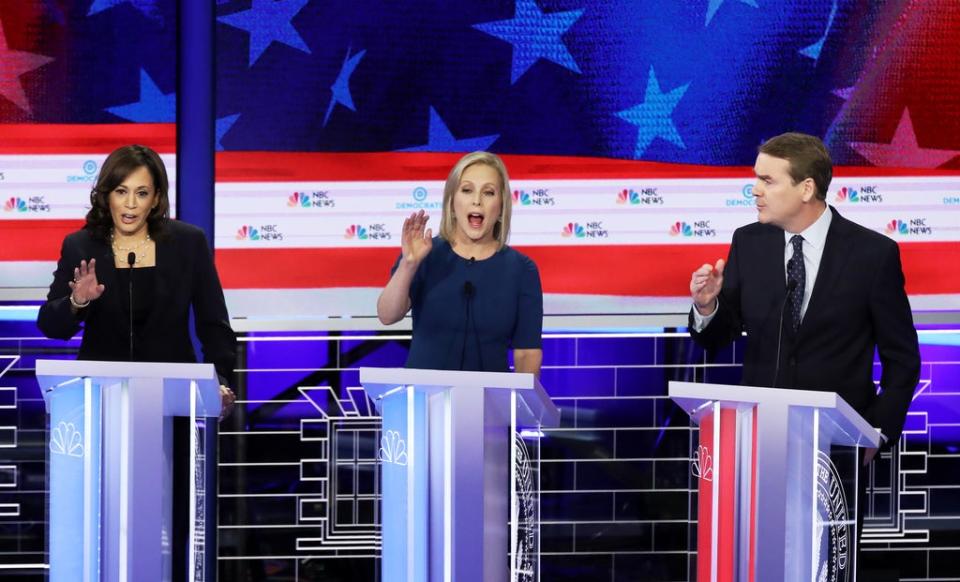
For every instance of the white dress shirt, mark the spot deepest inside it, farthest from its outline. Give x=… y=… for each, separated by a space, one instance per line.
x=814 y=239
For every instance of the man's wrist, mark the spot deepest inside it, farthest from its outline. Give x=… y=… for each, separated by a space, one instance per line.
x=706 y=310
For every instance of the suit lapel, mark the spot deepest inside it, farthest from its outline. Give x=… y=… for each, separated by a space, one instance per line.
x=773 y=255
x=163 y=270
x=832 y=264
x=107 y=276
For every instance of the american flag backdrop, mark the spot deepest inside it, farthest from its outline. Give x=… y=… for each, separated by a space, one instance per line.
x=629 y=128
x=693 y=82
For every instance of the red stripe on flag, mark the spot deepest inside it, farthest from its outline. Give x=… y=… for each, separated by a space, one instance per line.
x=50 y=138
x=302 y=166
x=925 y=266
x=309 y=166
x=650 y=270
x=34 y=240
x=304 y=268
x=629 y=270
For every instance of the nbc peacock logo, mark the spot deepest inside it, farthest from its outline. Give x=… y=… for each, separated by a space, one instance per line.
x=915 y=226
x=355 y=231
x=864 y=193
x=15 y=204
x=393 y=449
x=681 y=228
x=314 y=199
x=642 y=196
x=628 y=196
x=897 y=226
x=702 y=465
x=247 y=232
x=521 y=197
x=848 y=195
x=534 y=197
x=67 y=440
x=572 y=229
x=298 y=200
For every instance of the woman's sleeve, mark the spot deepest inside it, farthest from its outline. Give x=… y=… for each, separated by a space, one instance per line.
x=56 y=319
x=529 y=327
x=217 y=340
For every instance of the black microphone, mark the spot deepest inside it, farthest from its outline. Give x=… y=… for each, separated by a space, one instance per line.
x=472 y=261
x=791 y=285
x=468 y=295
x=469 y=290
x=131 y=259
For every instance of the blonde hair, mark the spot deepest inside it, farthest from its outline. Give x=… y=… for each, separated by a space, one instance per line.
x=448 y=220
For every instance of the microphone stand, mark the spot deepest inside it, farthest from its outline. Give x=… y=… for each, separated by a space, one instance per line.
x=131 y=259
x=776 y=371
x=468 y=296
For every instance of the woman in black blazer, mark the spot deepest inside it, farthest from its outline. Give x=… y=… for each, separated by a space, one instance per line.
x=172 y=270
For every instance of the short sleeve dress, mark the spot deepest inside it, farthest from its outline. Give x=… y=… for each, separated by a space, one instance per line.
x=467 y=314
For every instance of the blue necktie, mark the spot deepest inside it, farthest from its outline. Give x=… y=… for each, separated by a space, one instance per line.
x=797 y=274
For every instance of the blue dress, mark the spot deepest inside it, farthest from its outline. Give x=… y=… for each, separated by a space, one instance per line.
x=467 y=314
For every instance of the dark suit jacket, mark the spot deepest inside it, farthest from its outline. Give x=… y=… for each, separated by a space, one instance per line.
x=858 y=304
x=185 y=277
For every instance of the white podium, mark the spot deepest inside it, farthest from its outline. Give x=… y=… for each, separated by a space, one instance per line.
x=460 y=475
x=110 y=469
x=778 y=478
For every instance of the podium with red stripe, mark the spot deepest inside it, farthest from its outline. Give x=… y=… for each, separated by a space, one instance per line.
x=777 y=474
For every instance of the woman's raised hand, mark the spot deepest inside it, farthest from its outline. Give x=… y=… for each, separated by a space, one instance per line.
x=416 y=242
x=84 y=287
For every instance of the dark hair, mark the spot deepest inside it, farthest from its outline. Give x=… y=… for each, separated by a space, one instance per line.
x=808 y=158
x=122 y=162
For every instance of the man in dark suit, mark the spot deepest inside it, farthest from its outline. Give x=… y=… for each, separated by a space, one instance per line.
x=814 y=292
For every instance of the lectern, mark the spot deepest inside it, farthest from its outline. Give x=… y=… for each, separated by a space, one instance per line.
x=460 y=473
x=777 y=475
x=111 y=468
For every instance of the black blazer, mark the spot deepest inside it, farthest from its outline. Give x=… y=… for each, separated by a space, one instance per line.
x=858 y=304
x=185 y=277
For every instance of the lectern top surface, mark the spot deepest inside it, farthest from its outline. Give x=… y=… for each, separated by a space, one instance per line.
x=379 y=383
x=446 y=378
x=52 y=373
x=694 y=397
x=754 y=394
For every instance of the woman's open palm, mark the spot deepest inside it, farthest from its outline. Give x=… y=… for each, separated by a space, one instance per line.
x=417 y=240
x=85 y=287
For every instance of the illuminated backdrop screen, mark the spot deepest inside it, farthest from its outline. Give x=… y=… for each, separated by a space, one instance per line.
x=629 y=129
